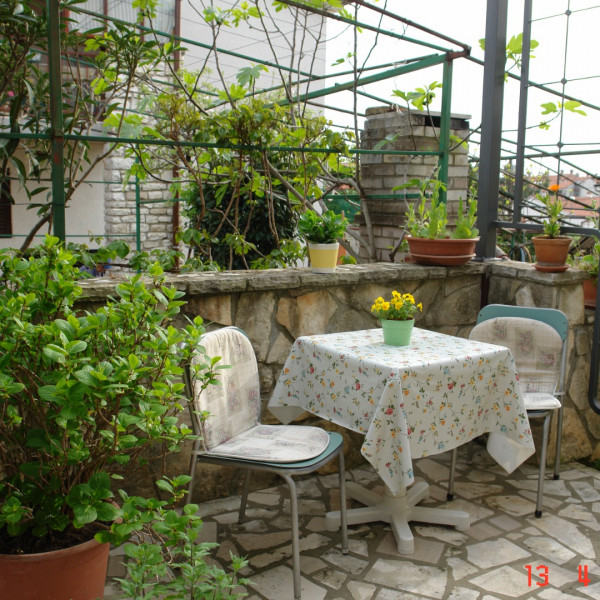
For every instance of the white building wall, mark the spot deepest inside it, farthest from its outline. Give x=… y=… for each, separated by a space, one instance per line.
x=290 y=44
x=84 y=213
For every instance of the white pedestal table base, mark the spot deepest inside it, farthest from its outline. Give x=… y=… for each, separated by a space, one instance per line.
x=398 y=511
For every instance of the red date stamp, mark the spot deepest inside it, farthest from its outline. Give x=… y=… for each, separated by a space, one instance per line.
x=542 y=572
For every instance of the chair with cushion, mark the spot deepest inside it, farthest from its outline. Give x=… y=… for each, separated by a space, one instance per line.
x=226 y=416
x=537 y=338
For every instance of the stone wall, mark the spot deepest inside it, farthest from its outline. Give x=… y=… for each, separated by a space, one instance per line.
x=276 y=306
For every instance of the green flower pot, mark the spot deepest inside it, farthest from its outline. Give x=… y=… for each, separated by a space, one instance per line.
x=397 y=333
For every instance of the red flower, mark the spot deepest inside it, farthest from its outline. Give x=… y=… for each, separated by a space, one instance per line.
x=389 y=410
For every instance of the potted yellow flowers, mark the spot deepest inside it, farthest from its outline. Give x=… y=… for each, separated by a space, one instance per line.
x=397 y=317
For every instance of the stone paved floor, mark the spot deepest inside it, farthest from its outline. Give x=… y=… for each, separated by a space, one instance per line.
x=489 y=561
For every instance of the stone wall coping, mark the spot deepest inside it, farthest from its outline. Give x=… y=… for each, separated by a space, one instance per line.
x=526 y=271
x=226 y=282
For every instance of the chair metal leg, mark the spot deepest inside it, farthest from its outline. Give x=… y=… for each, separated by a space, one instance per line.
x=295 y=535
x=244 y=501
x=343 y=510
x=559 y=424
x=450 y=493
x=542 y=473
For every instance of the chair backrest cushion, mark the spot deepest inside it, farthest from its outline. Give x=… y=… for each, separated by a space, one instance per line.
x=233 y=406
x=536 y=348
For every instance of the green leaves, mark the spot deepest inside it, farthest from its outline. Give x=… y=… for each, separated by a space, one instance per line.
x=83 y=392
x=421 y=98
x=89 y=501
x=430 y=219
x=465 y=221
x=168 y=545
x=247 y=76
x=322 y=228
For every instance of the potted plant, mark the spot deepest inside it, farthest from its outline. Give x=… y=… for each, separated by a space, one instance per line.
x=589 y=262
x=83 y=393
x=430 y=241
x=397 y=317
x=551 y=248
x=322 y=232
x=166 y=559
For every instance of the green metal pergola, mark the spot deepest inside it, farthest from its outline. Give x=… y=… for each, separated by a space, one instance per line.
x=491 y=151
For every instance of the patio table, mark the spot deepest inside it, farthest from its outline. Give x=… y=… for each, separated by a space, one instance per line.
x=419 y=400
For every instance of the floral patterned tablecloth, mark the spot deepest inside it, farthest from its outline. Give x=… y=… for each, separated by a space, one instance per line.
x=431 y=396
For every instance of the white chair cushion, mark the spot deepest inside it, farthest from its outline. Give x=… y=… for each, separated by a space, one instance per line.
x=233 y=405
x=540 y=402
x=536 y=348
x=275 y=443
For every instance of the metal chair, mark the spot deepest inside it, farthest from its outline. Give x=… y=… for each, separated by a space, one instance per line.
x=537 y=338
x=226 y=416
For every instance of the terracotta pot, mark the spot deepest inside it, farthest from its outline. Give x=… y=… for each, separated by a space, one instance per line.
x=446 y=252
x=589 y=292
x=551 y=253
x=76 y=573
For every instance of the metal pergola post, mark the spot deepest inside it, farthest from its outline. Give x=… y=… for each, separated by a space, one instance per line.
x=56 y=120
x=522 y=127
x=444 y=143
x=491 y=125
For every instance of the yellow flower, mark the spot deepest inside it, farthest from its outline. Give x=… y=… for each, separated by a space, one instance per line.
x=399 y=307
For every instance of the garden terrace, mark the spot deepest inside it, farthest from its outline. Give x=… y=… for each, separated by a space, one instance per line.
x=276 y=306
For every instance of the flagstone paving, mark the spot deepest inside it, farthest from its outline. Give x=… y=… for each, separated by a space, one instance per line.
x=506 y=553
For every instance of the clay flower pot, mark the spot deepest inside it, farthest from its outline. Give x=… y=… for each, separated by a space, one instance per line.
x=75 y=573
x=551 y=253
x=445 y=252
x=589 y=292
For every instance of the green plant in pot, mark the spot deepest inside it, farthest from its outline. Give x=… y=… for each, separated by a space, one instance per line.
x=551 y=248
x=589 y=262
x=83 y=394
x=430 y=240
x=322 y=232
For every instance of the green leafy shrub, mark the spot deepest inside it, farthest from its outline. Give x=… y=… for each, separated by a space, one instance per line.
x=168 y=561
x=255 y=228
x=82 y=393
x=323 y=228
x=588 y=262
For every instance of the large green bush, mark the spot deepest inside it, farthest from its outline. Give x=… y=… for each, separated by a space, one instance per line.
x=82 y=393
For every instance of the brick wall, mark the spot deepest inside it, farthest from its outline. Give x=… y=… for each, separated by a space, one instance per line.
x=380 y=173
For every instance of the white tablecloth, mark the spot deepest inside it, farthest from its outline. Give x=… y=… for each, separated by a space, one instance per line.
x=413 y=401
